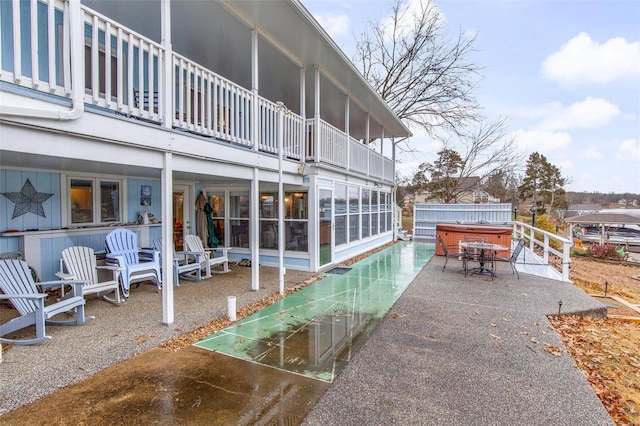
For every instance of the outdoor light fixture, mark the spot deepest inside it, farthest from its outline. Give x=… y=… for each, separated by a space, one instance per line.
x=559 y=306
x=606 y=286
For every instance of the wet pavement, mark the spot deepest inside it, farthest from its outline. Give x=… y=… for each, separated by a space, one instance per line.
x=269 y=368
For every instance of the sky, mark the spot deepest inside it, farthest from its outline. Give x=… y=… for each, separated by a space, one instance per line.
x=565 y=73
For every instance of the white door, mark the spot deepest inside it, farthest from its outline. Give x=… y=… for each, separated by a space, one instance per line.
x=182 y=214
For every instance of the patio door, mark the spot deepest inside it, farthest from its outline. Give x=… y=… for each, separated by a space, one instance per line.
x=182 y=209
x=325 y=236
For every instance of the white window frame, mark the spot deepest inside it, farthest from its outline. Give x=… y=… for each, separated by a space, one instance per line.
x=96 y=196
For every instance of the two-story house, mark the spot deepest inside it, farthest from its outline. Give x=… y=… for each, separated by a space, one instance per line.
x=115 y=111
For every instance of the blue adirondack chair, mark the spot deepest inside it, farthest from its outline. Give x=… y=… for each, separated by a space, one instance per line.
x=16 y=282
x=122 y=248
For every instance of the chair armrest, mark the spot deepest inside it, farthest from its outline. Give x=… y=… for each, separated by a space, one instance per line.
x=224 y=250
x=64 y=275
x=155 y=255
x=77 y=285
x=23 y=296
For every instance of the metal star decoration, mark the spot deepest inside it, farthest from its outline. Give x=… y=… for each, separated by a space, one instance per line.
x=28 y=200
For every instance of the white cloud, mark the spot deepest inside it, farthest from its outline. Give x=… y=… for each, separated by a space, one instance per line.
x=629 y=149
x=582 y=61
x=542 y=141
x=588 y=114
x=592 y=152
x=334 y=24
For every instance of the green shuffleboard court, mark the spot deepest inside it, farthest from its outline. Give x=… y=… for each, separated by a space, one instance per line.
x=314 y=331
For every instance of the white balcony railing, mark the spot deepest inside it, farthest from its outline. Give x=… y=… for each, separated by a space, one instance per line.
x=124 y=73
x=123 y=69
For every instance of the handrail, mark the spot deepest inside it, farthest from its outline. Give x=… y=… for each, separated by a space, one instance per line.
x=528 y=233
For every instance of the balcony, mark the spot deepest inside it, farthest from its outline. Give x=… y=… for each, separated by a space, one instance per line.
x=126 y=73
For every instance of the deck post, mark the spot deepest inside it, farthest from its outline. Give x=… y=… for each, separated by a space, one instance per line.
x=167 y=240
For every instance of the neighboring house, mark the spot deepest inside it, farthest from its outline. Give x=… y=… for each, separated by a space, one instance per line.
x=122 y=112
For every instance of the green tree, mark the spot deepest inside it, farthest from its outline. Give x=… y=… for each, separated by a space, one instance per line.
x=444 y=175
x=543 y=184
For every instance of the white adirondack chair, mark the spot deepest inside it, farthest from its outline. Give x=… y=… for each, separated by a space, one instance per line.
x=122 y=247
x=210 y=260
x=79 y=263
x=186 y=264
x=16 y=282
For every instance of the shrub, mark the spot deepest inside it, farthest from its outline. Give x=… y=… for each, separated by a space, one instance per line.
x=578 y=252
x=543 y=222
x=603 y=251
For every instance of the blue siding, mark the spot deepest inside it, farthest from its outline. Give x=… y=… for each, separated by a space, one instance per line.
x=133 y=198
x=12 y=181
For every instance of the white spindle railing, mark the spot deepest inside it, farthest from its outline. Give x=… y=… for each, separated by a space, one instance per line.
x=268 y=126
x=333 y=145
x=522 y=230
x=375 y=164
x=38 y=56
x=358 y=156
x=294 y=136
x=389 y=170
x=210 y=105
x=124 y=68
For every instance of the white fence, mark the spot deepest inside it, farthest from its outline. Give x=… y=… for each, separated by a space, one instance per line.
x=427 y=216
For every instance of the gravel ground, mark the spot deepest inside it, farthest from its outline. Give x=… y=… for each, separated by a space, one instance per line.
x=121 y=332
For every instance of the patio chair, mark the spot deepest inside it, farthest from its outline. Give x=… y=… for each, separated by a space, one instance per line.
x=79 y=263
x=458 y=254
x=19 y=288
x=186 y=264
x=513 y=258
x=209 y=260
x=122 y=248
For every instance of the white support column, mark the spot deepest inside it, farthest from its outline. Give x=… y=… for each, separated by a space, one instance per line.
x=167 y=240
x=313 y=224
x=255 y=82
x=282 y=271
x=316 y=112
x=254 y=231
x=394 y=202
x=347 y=130
x=367 y=139
x=303 y=112
x=382 y=140
x=166 y=80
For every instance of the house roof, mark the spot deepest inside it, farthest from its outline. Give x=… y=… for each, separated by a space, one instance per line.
x=605 y=218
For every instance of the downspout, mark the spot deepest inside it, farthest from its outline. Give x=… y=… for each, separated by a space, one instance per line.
x=77 y=72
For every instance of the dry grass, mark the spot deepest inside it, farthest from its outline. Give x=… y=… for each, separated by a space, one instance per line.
x=606 y=349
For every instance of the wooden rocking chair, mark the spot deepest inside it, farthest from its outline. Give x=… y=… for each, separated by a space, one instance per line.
x=19 y=288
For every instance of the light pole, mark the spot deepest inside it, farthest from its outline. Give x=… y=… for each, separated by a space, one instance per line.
x=533 y=215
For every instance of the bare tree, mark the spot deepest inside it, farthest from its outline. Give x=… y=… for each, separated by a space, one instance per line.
x=424 y=77
x=475 y=156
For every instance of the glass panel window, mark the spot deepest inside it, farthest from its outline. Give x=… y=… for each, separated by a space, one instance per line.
x=94 y=201
x=340 y=206
x=296 y=235
x=216 y=200
x=296 y=205
x=81 y=201
x=268 y=205
x=354 y=213
x=109 y=201
x=239 y=215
